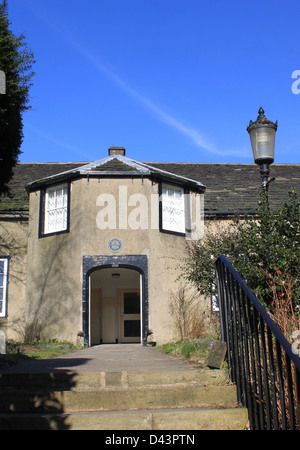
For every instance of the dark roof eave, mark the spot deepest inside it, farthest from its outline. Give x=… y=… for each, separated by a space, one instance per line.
x=11 y=215
x=34 y=185
x=116 y=174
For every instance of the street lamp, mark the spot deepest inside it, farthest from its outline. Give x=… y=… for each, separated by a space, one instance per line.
x=262 y=136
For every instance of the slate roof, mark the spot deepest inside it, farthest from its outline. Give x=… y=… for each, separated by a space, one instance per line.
x=229 y=187
x=117 y=165
x=235 y=187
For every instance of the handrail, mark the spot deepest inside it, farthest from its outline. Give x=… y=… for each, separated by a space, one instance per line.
x=260 y=359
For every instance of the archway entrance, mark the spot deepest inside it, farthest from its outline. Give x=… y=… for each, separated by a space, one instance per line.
x=114 y=299
x=115 y=306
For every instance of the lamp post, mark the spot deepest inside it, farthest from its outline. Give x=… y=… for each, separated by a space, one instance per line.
x=262 y=136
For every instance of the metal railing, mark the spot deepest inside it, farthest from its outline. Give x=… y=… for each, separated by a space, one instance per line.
x=261 y=361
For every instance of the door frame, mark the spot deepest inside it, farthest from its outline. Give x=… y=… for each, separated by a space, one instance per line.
x=91 y=263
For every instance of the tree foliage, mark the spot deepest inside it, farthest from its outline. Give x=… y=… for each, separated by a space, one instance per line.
x=16 y=62
x=261 y=248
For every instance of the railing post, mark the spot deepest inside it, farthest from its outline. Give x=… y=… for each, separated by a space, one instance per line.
x=272 y=378
x=241 y=342
x=247 y=374
x=220 y=280
x=265 y=372
x=291 y=402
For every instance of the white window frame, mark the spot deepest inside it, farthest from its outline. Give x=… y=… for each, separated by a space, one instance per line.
x=56 y=209
x=3 y=287
x=172 y=209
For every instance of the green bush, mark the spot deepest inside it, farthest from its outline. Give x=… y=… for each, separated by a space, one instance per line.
x=258 y=247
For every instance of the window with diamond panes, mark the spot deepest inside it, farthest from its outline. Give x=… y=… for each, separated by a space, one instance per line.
x=56 y=209
x=173 y=216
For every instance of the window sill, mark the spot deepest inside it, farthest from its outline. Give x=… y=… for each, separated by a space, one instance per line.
x=55 y=233
x=175 y=233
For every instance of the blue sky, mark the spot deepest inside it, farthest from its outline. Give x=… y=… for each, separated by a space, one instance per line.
x=170 y=80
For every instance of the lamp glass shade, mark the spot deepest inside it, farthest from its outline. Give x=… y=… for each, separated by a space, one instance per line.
x=263 y=143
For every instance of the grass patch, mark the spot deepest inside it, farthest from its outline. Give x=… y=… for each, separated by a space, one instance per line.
x=16 y=351
x=194 y=350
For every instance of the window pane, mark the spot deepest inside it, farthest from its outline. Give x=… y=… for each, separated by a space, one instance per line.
x=65 y=196
x=132 y=328
x=50 y=200
x=59 y=200
x=131 y=303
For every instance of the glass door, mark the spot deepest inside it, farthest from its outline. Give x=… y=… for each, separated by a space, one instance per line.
x=130 y=316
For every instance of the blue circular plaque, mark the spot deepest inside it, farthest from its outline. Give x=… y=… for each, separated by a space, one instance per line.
x=115 y=245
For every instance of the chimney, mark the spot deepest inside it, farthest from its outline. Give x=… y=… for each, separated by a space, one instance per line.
x=116 y=151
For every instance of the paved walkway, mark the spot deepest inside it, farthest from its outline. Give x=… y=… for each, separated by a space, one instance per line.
x=104 y=358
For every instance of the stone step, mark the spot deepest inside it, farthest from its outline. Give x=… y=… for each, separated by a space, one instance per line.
x=118 y=398
x=184 y=419
x=70 y=380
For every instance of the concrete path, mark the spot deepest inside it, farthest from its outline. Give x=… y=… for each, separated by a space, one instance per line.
x=104 y=358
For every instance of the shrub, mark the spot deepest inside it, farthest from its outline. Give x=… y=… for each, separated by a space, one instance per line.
x=184 y=308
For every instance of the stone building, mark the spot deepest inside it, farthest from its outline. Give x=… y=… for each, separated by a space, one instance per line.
x=94 y=249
